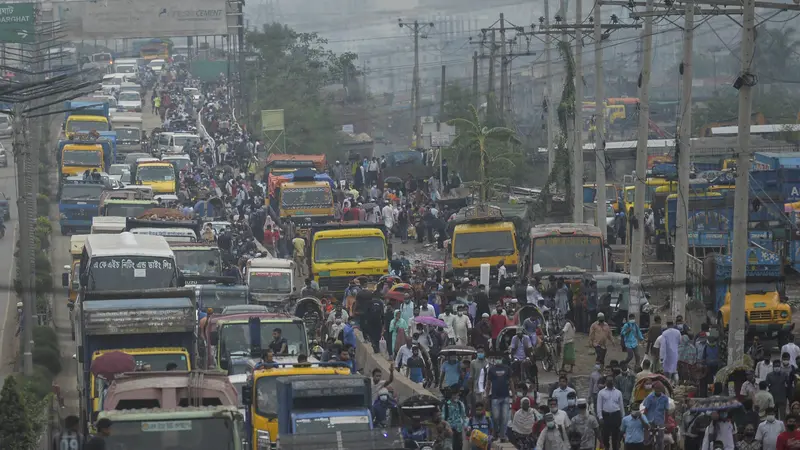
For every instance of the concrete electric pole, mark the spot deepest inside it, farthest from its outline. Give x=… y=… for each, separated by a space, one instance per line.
x=417 y=29
x=600 y=123
x=637 y=237
x=577 y=150
x=548 y=93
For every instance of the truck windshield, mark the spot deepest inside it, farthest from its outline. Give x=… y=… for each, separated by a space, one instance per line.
x=367 y=248
x=81 y=192
x=489 y=243
x=123 y=210
x=197 y=434
x=218 y=299
x=270 y=282
x=180 y=141
x=125 y=69
x=128 y=134
x=110 y=273
x=82 y=158
x=760 y=287
x=310 y=196
x=235 y=337
x=155 y=173
x=344 y=424
x=559 y=252
x=86 y=126
x=204 y=262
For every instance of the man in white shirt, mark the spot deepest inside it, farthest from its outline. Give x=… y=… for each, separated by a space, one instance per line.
x=502 y=273
x=403 y=354
x=388 y=218
x=560 y=416
x=768 y=431
x=793 y=350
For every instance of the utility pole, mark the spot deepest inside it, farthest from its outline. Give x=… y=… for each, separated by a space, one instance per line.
x=745 y=82
x=683 y=153
x=416 y=28
x=475 y=80
x=441 y=95
x=503 y=73
x=22 y=159
x=637 y=242
x=577 y=150
x=548 y=73
x=600 y=123
x=490 y=92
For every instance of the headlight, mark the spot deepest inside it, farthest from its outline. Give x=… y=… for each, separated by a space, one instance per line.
x=784 y=314
x=62 y=216
x=263 y=440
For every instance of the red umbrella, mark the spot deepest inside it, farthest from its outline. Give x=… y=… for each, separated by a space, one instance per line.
x=395 y=296
x=108 y=365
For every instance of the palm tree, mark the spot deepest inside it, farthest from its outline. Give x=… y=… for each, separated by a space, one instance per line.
x=476 y=133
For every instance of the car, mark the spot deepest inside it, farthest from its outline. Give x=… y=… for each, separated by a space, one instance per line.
x=129 y=101
x=6 y=129
x=181 y=161
x=3 y=157
x=131 y=158
x=5 y=206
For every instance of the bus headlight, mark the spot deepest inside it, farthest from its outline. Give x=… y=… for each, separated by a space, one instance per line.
x=784 y=314
x=263 y=440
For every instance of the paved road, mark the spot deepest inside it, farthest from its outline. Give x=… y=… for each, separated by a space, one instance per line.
x=61 y=257
x=8 y=298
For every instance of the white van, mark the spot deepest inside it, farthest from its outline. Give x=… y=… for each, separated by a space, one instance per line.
x=270 y=279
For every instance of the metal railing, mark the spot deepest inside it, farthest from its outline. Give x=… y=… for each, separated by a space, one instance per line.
x=694 y=276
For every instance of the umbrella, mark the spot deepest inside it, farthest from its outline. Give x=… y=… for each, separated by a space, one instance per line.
x=108 y=365
x=392 y=180
x=431 y=321
x=402 y=287
x=715 y=403
x=395 y=296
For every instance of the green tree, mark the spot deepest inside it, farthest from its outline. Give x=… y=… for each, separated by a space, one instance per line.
x=291 y=72
x=474 y=133
x=16 y=432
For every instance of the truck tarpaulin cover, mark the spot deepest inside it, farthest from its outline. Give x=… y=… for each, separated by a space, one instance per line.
x=139 y=316
x=388 y=439
x=320 y=161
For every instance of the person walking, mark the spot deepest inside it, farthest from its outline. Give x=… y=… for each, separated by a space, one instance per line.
x=632 y=336
x=600 y=338
x=633 y=427
x=70 y=438
x=610 y=407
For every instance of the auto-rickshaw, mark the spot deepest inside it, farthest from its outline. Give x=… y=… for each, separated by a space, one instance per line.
x=640 y=391
x=311 y=311
x=416 y=415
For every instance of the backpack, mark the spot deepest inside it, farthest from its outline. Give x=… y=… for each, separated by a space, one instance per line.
x=711 y=355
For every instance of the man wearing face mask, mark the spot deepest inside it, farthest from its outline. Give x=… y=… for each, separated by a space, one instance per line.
x=572 y=406
x=476 y=366
x=461 y=327
x=777 y=384
x=562 y=393
x=600 y=338
x=521 y=347
x=610 y=407
x=586 y=425
x=449 y=319
x=554 y=436
x=625 y=382
x=633 y=427
x=720 y=429
x=769 y=430
x=382 y=408
x=450 y=373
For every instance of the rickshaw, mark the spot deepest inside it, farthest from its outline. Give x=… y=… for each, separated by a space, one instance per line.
x=731 y=378
x=640 y=391
x=528 y=311
x=394 y=183
x=502 y=349
x=311 y=311
x=418 y=409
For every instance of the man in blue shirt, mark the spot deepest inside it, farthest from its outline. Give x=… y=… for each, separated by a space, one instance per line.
x=632 y=336
x=498 y=388
x=451 y=373
x=349 y=334
x=656 y=405
x=633 y=426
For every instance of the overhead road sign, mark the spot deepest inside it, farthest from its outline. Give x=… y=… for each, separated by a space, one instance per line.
x=17 y=23
x=121 y=19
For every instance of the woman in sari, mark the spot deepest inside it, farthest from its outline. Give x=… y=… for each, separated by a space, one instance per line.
x=398 y=327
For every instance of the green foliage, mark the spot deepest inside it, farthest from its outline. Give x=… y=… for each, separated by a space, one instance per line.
x=42 y=205
x=778 y=106
x=291 y=71
x=45 y=337
x=36 y=387
x=16 y=432
x=49 y=358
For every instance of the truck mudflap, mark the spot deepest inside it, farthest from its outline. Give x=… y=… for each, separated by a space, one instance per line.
x=376 y=439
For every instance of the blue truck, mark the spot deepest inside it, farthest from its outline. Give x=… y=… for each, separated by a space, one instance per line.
x=156 y=326
x=773 y=161
x=78 y=203
x=87 y=107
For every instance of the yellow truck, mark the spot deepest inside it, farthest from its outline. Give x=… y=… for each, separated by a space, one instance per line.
x=343 y=251
x=306 y=201
x=488 y=238
x=261 y=401
x=78 y=158
x=766 y=312
x=162 y=176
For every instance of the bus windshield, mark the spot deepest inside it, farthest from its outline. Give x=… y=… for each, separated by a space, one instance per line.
x=560 y=252
x=110 y=273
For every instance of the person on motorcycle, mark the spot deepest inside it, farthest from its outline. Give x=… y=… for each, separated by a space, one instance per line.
x=416 y=433
x=521 y=350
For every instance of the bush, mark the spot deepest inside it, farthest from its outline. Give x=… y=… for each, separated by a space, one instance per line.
x=42 y=203
x=45 y=337
x=48 y=357
x=40 y=384
x=16 y=432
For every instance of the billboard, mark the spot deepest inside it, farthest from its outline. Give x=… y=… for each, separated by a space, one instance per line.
x=118 y=19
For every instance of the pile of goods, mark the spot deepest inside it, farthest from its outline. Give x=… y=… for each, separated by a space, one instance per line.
x=162 y=214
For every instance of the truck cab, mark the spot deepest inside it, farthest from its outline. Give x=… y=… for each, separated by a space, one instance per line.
x=86 y=116
x=346 y=250
x=271 y=280
x=167 y=389
x=108 y=225
x=162 y=176
x=184 y=231
x=263 y=405
x=129 y=133
x=78 y=203
x=484 y=238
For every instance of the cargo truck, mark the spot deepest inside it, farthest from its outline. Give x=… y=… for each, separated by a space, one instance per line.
x=774 y=161
x=85 y=116
x=86 y=151
x=343 y=251
x=766 y=312
x=78 y=204
x=129 y=134
x=163 y=320
x=162 y=176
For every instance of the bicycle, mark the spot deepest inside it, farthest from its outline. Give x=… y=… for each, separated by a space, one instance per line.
x=552 y=352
